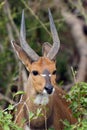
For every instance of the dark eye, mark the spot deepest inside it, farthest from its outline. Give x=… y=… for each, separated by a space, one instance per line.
x=54 y=72
x=35 y=72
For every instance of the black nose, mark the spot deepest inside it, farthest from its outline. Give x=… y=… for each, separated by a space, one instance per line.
x=49 y=89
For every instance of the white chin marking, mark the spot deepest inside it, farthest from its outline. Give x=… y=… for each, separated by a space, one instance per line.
x=42 y=99
x=27 y=128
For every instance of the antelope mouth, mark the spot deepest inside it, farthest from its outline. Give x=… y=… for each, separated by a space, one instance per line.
x=43 y=98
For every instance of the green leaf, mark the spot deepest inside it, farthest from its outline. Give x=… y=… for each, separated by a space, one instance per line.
x=31 y=115
x=38 y=112
x=10 y=107
x=18 y=93
x=6 y=127
x=2 y=4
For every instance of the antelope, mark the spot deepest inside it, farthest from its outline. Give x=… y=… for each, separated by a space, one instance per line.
x=41 y=90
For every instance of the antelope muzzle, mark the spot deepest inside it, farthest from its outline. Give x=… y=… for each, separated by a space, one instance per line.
x=48 y=86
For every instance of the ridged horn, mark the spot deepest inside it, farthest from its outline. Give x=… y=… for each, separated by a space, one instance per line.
x=30 y=52
x=56 y=42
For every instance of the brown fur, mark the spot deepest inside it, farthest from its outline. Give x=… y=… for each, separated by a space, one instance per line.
x=55 y=111
x=57 y=108
x=40 y=87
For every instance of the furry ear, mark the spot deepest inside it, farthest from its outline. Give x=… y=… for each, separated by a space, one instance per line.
x=46 y=48
x=22 y=55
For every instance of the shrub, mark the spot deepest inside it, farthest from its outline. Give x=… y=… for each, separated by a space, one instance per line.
x=78 y=97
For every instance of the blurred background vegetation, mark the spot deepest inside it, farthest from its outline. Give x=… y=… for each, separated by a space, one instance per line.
x=38 y=32
x=70 y=17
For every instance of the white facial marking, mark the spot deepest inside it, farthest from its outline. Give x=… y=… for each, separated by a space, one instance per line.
x=53 y=90
x=49 y=75
x=43 y=75
x=44 y=92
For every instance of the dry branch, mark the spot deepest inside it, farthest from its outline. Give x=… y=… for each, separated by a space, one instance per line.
x=11 y=27
x=9 y=16
x=2 y=97
x=81 y=42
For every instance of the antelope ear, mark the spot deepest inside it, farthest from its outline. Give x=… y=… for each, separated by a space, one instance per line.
x=46 y=48
x=22 y=55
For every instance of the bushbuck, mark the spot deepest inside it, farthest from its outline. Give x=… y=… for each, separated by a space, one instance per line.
x=41 y=93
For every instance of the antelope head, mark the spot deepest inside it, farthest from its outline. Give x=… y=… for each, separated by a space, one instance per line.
x=42 y=69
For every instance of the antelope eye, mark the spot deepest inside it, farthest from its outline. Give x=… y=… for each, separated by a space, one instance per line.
x=54 y=72
x=34 y=72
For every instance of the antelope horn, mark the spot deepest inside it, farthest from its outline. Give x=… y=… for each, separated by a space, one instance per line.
x=30 y=52
x=56 y=42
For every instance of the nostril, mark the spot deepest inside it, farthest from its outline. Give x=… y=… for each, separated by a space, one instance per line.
x=49 y=89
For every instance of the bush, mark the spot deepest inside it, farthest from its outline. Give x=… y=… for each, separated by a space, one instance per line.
x=78 y=97
x=6 y=122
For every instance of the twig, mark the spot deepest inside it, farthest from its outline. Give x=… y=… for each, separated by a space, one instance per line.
x=27 y=108
x=1 y=48
x=45 y=116
x=37 y=18
x=8 y=13
x=2 y=97
x=46 y=24
x=21 y=107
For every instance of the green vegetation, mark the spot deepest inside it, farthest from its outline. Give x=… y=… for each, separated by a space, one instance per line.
x=38 y=32
x=78 y=97
x=6 y=122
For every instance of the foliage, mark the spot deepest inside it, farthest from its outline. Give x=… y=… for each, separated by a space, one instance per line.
x=6 y=122
x=78 y=97
x=6 y=116
x=35 y=115
x=37 y=31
